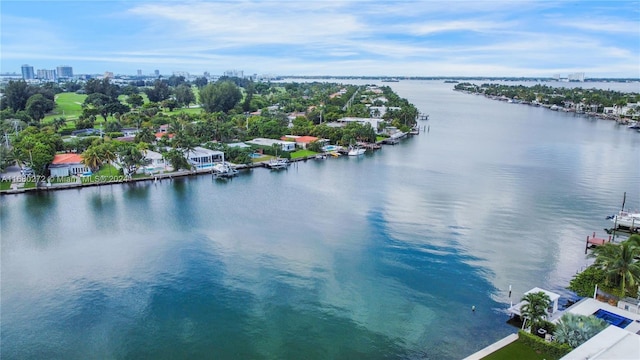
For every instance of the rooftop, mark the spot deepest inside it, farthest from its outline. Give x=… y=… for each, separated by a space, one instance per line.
x=66 y=159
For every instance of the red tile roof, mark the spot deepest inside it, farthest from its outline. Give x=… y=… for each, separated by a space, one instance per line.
x=67 y=159
x=306 y=139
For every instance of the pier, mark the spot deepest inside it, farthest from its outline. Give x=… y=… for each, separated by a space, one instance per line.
x=594 y=241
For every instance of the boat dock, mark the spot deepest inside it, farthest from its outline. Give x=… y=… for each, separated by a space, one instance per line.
x=593 y=241
x=422 y=116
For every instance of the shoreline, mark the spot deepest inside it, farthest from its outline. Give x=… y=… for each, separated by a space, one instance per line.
x=154 y=178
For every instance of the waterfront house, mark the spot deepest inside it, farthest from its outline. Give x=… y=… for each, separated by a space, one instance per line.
x=374 y=123
x=304 y=141
x=67 y=165
x=202 y=158
x=156 y=162
x=284 y=145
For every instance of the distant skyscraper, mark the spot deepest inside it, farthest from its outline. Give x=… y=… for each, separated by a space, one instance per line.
x=65 y=71
x=108 y=74
x=45 y=74
x=27 y=72
x=139 y=72
x=156 y=72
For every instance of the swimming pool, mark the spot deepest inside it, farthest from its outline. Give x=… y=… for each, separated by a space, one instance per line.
x=255 y=155
x=613 y=319
x=330 y=148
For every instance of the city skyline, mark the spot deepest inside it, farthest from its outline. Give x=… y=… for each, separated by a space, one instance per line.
x=341 y=38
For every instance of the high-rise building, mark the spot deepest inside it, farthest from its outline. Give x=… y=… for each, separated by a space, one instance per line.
x=45 y=74
x=139 y=72
x=156 y=72
x=27 y=72
x=65 y=71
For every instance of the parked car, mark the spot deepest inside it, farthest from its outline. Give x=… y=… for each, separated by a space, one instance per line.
x=27 y=171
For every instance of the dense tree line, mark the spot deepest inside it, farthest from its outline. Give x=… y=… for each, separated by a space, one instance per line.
x=233 y=110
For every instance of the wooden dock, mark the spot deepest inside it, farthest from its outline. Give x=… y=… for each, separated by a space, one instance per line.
x=593 y=241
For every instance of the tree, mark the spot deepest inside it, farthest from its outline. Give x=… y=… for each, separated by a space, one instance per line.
x=184 y=95
x=107 y=153
x=135 y=100
x=584 y=283
x=177 y=160
x=223 y=97
x=132 y=158
x=59 y=122
x=145 y=135
x=574 y=329
x=37 y=106
x=619 y=263
x=16 y=95
x=535 y=308
x=91 y=158
x=200 y=82
x=159 y=92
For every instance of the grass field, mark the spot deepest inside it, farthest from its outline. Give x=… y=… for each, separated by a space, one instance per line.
x=68 y=105
x=302 y=153
x=518 y=350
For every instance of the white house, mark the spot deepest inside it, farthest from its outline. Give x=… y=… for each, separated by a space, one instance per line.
x=156 y=162
x=373 y=122
x=66 y=165
x=284 y=145
x=203 y=158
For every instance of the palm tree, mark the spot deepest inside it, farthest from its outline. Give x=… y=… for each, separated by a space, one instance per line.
x=535 y=308
x=108 y=154
x=619 y=263
x=59 y=122
x=91 y=158
x=574 y=329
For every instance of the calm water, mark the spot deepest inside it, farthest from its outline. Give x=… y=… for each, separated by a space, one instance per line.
x=376 y=257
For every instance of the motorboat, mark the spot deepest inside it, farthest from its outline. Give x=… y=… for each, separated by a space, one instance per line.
x=278 y=163
x=356 y=150
x=626 y=219
x=224 y=169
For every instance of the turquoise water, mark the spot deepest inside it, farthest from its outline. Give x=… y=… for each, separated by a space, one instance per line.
x=380 y=256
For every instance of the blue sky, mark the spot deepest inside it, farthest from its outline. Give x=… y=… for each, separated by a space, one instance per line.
x=393 y=38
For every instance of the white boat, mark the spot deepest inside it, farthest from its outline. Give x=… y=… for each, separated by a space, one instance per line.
x=626 y=219
x=355 y=150
x=278 y=163
x=224 y=170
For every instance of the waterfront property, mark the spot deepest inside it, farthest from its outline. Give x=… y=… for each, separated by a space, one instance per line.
x=203 y=158
x=156 y=163
x=283 y=145
x=66 y=165
x=619 y=340
x=304 y=141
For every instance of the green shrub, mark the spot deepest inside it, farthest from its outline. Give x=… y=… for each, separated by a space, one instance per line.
x=538 y=344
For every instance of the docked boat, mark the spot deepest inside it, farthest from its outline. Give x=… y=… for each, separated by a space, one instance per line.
x=626 y=219
x=278 y=163
x=356 y=150
x=224 y=170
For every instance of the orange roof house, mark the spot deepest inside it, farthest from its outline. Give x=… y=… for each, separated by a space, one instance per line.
x=303 y=141
x=67 y=159
x=67 y=165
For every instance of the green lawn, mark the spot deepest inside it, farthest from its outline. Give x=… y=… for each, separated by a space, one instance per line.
x=518 y=350
x=68 y=105
x=29 y=185
x=302 y=153
x=5 y=185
